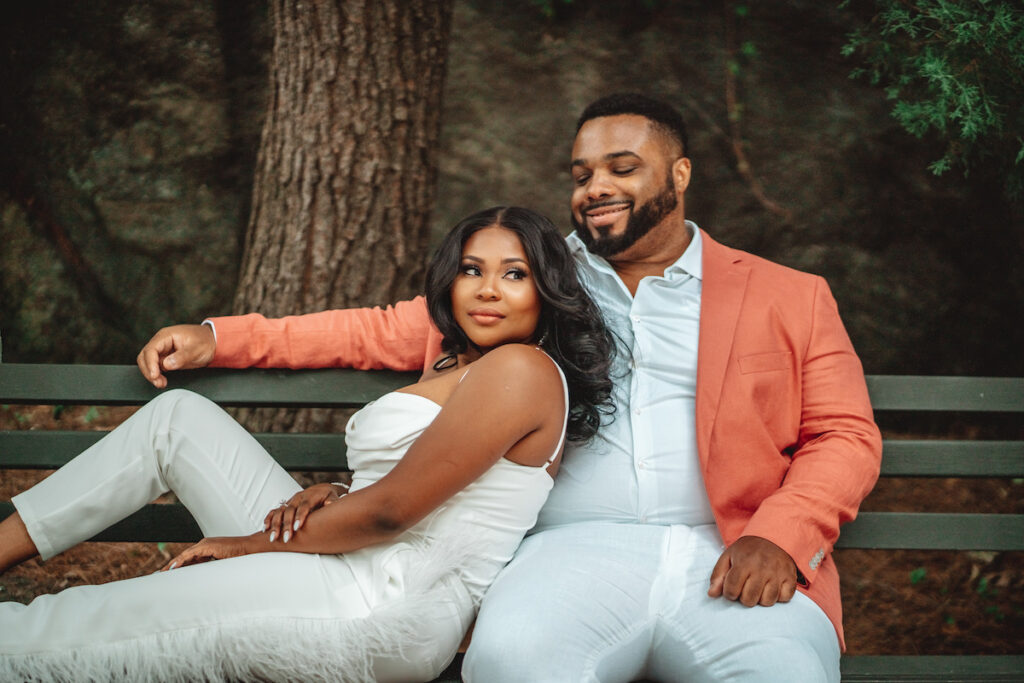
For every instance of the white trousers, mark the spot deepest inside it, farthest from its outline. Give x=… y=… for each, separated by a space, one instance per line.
x=620 y=602
x=273 y=616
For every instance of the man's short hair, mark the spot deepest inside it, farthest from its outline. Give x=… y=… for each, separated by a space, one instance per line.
x=664 y=117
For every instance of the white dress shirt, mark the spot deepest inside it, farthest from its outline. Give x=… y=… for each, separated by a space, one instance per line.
x=643 y=466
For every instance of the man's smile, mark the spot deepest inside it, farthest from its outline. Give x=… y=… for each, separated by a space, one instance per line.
x=605 y=214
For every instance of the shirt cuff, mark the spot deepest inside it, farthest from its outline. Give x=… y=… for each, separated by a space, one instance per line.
x=212 y=327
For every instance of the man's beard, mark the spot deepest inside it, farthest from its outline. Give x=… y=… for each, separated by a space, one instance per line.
x=640 y=222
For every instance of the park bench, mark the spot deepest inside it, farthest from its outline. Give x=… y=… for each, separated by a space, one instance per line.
x=123 y=385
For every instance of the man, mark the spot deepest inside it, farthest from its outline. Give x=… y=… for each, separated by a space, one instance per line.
x=691 y=540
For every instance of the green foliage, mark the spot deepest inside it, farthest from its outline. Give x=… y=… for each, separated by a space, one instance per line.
x=918 y=575
x=953 y=68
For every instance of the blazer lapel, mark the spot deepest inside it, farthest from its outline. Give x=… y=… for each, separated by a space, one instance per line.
x=722 y=289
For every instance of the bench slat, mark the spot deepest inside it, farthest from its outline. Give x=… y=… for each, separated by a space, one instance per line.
x=878 y=530
x=865 y=668
x=937 y=458
x=915 y=392
x=933 y=531
x=154 y=523
x=50 y=449
x=123 y=385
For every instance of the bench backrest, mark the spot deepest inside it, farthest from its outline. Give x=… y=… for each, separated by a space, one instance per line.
x=122 y=385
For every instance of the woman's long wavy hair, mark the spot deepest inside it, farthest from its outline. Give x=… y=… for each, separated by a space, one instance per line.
x=570 y=329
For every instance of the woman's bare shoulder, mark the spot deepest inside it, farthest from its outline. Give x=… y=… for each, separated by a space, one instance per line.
x=518 y=358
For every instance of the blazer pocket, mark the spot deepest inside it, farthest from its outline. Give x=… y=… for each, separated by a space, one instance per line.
x=765 y=362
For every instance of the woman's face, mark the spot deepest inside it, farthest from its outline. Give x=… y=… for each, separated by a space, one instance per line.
x=494 y=298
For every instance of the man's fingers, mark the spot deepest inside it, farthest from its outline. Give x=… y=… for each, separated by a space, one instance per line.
x=769 y=594
x=735 y=582
x=178 y=347
x=718 y=575
x=149 y=357
x=787 y=591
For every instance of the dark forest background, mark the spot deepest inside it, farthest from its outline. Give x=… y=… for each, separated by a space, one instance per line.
x=129 y=131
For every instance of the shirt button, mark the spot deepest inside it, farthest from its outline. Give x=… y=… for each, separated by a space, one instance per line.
x=642 y=465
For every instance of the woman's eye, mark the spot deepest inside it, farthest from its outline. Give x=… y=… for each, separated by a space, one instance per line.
x=516 y=274
x=469 y=269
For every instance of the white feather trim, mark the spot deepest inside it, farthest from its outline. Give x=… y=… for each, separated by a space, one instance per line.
x=397 y=640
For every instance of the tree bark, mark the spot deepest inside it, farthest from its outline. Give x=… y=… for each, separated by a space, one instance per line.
x=347 y=167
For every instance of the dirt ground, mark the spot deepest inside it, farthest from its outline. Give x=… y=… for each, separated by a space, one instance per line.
x=895 y=602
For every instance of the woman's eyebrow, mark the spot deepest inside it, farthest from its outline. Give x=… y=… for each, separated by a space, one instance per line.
x=508 y=259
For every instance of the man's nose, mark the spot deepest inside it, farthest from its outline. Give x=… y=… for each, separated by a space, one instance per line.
x=599 y=187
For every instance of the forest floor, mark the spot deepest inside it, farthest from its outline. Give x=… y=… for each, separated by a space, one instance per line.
x=895 y=602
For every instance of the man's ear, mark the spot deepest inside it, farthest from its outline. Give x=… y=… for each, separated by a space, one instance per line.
x=681 y=174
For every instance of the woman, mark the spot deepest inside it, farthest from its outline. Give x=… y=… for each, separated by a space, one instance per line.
x=379 y=583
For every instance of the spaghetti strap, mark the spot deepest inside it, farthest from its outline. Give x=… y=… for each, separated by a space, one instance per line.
x=565 y=394
x=565 y=419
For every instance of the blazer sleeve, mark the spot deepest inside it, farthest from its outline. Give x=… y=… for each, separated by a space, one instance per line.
x=398 y=337
x=837 y=457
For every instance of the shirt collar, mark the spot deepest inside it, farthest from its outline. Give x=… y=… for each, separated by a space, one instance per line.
x=689 y=263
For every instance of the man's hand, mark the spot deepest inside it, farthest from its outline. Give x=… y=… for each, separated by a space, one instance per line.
x=754 y=571
x=180 y=347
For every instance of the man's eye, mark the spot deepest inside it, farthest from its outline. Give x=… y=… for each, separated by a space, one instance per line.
x=624 y=171
x=581 y=179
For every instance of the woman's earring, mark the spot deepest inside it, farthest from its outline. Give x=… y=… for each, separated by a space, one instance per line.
x=543 y=338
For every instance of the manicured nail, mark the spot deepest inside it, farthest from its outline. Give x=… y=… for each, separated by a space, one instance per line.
x=173 y=565
x=273 y=535
x=287 y=535
x=296 y=525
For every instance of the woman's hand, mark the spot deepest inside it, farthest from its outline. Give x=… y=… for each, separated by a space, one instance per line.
x=284 y=521
x=209 y=549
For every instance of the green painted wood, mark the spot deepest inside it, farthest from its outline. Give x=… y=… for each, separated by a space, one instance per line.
x=936 y=458
x=933 y=531
x=49 y=449
x=878 y=530
x=154 y=523
x=864 y=668
x=915 y=392
x=123 y=385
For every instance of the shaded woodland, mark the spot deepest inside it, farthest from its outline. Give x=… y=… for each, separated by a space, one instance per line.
x=128 y=134
x=128 y=154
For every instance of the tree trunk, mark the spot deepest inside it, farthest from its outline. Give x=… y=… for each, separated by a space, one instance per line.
x=347 y=167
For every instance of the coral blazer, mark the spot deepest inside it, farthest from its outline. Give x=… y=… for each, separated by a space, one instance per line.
x=785 y=434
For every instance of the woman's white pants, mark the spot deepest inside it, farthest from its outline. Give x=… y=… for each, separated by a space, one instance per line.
x=279 y=616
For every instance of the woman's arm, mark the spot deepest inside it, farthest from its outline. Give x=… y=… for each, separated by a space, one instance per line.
x=511 y=400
